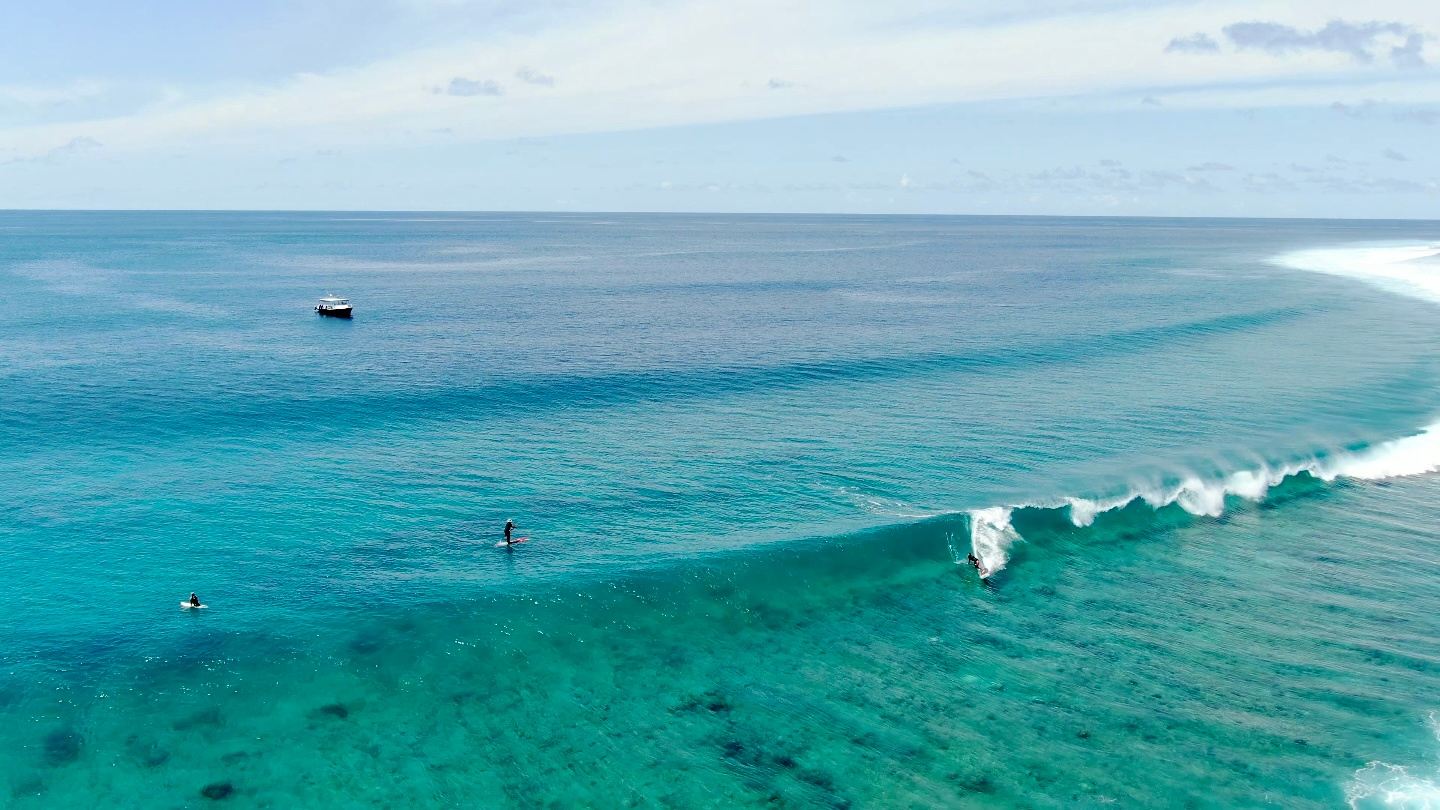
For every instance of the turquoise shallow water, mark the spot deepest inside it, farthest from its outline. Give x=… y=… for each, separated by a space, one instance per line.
x=746 y=448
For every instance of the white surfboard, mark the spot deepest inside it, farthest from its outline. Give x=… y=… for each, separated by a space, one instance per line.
x=186 y=605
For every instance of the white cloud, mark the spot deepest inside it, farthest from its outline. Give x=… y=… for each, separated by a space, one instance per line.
x=532 y=76
x=1358 y=40
x=74 y=146
x=461 y=86
x=654 y=63
x=35 y=95
x=1195 y=43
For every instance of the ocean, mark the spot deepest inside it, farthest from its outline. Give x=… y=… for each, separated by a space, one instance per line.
x=752 y=454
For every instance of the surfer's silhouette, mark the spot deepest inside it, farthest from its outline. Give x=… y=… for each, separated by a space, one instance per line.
x=509 y=527
x=979 y=566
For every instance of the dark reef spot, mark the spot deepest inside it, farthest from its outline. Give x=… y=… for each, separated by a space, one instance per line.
x=675 y=656
x=365 y=645
x=1301 y=741
x=9 y=696
x=1083 y=734
x=336 y=710
x=819 y=779
x=217 y=790
x=977 y=784
x=147 y=752
x=62 y=747
x=712 y=701
x=786 y=761
x=734 y=749
x=206 y=717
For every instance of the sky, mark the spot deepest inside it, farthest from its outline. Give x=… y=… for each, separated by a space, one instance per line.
x=1085 y=107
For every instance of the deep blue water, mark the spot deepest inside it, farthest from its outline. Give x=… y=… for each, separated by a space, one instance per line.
x=745 y=449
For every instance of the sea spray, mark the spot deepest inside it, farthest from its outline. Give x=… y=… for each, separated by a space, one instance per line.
x=992 y=535
x=1399 y=269
x=1380 y=784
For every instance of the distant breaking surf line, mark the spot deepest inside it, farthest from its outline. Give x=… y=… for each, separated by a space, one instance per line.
x=1393 y=268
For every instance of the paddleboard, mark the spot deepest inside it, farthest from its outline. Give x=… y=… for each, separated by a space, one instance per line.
x=186 y=605
x=517 y=541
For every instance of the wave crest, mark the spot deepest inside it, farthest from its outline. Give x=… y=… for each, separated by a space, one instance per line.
x=1401 y=269
x=992 y=535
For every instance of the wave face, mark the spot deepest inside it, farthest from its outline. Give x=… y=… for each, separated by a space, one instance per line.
x=1400 y=269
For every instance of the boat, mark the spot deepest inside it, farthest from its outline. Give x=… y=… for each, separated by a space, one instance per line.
x=334 y=307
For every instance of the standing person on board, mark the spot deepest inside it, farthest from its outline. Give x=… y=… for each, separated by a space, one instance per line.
x=979 y=566
x=509 y=527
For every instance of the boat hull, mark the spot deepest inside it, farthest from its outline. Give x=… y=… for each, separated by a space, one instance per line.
x=333 y=313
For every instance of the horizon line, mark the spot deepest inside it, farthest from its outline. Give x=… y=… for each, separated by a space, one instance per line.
x=598 y=212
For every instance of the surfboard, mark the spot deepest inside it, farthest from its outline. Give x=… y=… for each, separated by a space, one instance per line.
x=186 y=605
x=517 y=541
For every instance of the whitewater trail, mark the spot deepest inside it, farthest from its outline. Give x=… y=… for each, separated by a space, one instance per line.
x=1398 y=269
x=1380 y=784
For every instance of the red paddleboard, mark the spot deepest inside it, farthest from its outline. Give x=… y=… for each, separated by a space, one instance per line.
x=517 y=541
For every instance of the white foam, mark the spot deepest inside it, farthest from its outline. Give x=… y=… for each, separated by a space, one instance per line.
x=1412 y=455
x=1380 y=784
x=991 y=534
x=1397 y=268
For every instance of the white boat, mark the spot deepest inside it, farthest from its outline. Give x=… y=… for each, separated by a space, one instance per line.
x=334 y=307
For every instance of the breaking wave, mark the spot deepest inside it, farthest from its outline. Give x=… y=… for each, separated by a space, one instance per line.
x=1399 y=269
x=991 y=532
x=1380 y=784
